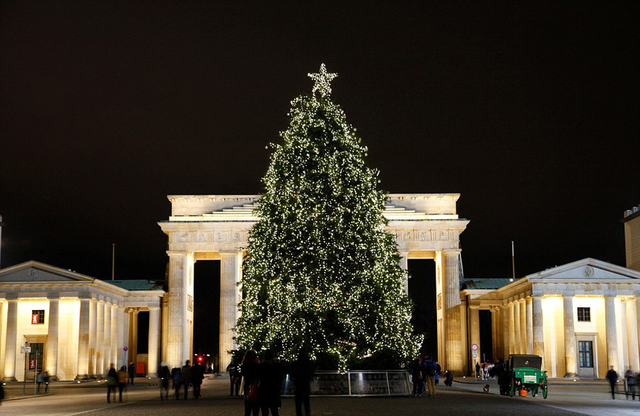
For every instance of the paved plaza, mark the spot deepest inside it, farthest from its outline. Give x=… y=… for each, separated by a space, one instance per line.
x=565 y=398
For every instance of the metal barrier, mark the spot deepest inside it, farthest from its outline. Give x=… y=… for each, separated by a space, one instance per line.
x=356 y=383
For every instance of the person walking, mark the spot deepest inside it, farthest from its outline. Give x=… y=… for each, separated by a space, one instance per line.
x=234 y=377
x=430 y=370
x=39 y=381
x=112 y=379
x=270 y=375
x=632 y=381
x=197 y=375
x=186 y=378
x=176 y=377
x=302 y=373
x=612 y=376
x=122 y=380
x=132 y=373
x=251 y=376
x=1 y=393
x=165 y=376
x=46 y=381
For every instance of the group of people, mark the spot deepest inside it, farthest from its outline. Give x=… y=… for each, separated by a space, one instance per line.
x=425 y=375
x=117 y=379
x=181 y=379
x=42 y=378
x=482 y=370
x=262 y=381
x=631 y=379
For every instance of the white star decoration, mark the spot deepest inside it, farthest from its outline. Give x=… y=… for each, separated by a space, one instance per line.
x=322 y=79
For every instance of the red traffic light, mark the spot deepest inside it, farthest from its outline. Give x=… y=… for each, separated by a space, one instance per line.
x=199 y=358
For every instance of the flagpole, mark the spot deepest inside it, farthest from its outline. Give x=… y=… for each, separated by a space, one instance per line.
x=113 y=261
x=513 y=262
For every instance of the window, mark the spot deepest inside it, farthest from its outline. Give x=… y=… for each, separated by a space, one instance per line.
x=584 y=314
x=37 y=317
x=585 y=353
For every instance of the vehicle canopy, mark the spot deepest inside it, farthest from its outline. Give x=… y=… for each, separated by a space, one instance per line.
x=524 y=360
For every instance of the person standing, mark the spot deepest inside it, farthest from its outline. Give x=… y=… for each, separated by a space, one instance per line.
x=612 y=376
x=234 y=377
x=176 y=376
x=430 y=370
x=39 y=381
x=112 y=379
x=165 y=375
x=302 y=373
x=122 y=380
x=632 y=381
x=197 y=375
x=186 y=378
x=250 y=374
x=270 y=375
x=417 y=377
x=132 y=373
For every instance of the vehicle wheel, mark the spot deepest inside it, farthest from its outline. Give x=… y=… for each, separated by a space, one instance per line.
x=544 y=392
x=534 y=392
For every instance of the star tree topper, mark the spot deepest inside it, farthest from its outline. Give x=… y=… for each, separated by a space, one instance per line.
x=322 y=79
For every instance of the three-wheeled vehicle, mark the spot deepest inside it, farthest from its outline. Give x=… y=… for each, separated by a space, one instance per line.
x=526 y=375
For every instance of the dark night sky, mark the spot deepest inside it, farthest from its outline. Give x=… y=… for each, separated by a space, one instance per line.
x=528 y=109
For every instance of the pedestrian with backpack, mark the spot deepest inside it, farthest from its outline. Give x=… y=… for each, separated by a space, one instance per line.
x=430 y=370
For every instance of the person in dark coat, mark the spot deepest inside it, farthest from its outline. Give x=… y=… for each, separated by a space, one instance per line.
x=112 y=381
x=186 y=378
x=302 y=373
x=632 y=381
x=122 y=380
x=270 y=384
x=612 y=376
x=251 y=376
x=197 y=375
x=176 y=377
x=132 y=373
x=417 y=377
x=234 y=377
x=165 y=376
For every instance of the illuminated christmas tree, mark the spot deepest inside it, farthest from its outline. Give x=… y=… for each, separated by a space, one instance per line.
x=321 y=271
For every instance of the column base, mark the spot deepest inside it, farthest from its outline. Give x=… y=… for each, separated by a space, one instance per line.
x=9 y=379
x=571 y=375
x=82 y=377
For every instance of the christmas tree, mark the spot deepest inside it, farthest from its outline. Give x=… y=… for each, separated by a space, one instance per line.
x=321 y=271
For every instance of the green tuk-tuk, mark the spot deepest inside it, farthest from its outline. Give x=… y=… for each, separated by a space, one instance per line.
x=526 y=375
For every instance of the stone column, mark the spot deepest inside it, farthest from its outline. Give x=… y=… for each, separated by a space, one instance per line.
x=538 y=332
x=570 y=354
x=494 y=333
x=523 y=326
x=178 y=337
x=12 y=339
x=230 y=275
x=83 y=340
x=93 y=337
x=404 y=265
x=453 y=335
x=632 y=330
x=622 y=322
x=512 y=329
x=123 y=328
x=52 y=338
x=474 y=327
x=114 y=335
x=504 y=323
x=133 y=328
x=516 y=326
x=154 y=340
x=612 y=333
x=100 y=364
x=529 y=325
x=106 y=340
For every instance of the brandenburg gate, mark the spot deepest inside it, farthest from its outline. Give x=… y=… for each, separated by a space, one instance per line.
x=215 y=227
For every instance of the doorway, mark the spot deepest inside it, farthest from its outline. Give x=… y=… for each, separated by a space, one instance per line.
x=422 y=291
x=206 y=314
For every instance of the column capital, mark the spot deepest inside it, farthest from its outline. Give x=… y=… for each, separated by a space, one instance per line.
x=451 y=251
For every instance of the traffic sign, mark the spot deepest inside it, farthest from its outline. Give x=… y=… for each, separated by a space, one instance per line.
x=125 y=349
x=475 y=354
x=25 y=349
x=474 y=347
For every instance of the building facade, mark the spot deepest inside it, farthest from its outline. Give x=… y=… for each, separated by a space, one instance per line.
x=631 y=223
x=581 y=317
x=71 y=325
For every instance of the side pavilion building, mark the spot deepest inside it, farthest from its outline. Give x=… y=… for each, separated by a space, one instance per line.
x=71 y=325
x=581 y=317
